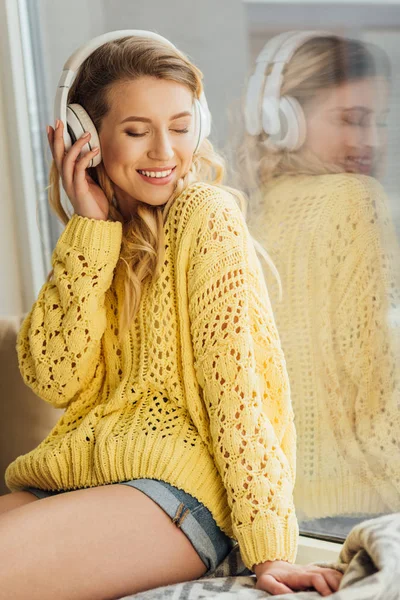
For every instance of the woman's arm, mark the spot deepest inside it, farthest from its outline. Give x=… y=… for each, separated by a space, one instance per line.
x=241 y=368
x=59 y=344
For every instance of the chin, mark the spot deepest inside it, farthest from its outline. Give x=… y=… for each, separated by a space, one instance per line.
x=153 y=202
x=158 y=196
x=155 y=199
x=361 y=171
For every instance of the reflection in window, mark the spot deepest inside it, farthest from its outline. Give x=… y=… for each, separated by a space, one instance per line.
x=312 y=160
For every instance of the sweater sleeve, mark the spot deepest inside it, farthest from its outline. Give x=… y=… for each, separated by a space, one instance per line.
x=241 y=370
x=368 y=334
x=59 y=343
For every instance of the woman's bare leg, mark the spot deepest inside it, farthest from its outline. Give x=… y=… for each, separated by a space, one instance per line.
x=94 y=544
x=15 y=500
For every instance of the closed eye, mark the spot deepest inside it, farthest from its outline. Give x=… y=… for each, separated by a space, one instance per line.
x=132 y=134
x=355 y=122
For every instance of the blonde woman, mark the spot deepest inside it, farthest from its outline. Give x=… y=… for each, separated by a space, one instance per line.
x=155 y=334
x=316 y=140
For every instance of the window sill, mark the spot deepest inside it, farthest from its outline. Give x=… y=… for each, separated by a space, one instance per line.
x=315 y=550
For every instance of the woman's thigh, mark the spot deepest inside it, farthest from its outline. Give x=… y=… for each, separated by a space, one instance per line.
x=94 y=544
x=10 y=501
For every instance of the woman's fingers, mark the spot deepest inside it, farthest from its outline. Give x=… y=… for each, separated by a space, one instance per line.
x=286 y=579
x=79 y=177
x=70 y=159
x=268 y=583
x=58 y=145
x=333 y=578
x=318 y=582
x=86 y=196
x=56 y=142
x=50 y=139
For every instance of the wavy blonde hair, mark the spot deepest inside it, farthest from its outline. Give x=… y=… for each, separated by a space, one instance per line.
x=129 y=58
x=318 y=64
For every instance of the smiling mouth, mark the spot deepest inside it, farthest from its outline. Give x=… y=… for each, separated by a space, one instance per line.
x=364 y=165
x=359 y=160
x=156 y=174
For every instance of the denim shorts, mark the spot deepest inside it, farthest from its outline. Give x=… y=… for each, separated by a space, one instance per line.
x=190 y=515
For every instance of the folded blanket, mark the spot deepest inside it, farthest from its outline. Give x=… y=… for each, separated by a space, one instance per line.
x=370 y=560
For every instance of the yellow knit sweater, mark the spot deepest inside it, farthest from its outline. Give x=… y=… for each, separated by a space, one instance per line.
x=333 y=243
x=196 y=394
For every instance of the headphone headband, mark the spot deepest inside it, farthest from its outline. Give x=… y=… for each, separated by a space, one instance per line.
x=283 y=56
x=264 y=91
x=81 y=54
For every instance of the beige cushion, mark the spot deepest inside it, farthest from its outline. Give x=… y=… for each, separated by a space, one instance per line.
x=25 y=419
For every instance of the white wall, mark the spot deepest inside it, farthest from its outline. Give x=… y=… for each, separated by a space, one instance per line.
x=213 y=33
x=64 y=27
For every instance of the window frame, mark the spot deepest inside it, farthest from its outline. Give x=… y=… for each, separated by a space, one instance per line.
x=19 y=140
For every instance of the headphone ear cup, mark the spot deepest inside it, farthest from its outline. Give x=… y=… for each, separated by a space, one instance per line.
x=270 y=116
x=292 y=131
x=296 y=123
x=78 y=122
x=202 y=123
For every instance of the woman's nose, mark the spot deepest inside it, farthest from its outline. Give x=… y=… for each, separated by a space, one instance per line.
x=161 y=148
x=373 y=138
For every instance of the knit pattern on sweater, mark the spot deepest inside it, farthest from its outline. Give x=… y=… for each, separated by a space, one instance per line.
x=196 y=393
x=332 y=239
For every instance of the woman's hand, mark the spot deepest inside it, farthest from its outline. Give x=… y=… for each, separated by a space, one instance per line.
x=280 y=577
x=86 y=197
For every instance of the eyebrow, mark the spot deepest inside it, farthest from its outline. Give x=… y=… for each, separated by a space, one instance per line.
x=362 y=108
x=144 y=120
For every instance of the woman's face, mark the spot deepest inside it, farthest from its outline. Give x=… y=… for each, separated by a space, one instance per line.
x=147 y=139
x=346 y=125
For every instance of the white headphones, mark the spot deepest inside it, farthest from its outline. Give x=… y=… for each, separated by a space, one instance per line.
x=281 y=117
x=75 y=118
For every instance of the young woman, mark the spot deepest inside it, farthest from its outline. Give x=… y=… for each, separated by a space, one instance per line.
x=156 y=335
x=314 y=147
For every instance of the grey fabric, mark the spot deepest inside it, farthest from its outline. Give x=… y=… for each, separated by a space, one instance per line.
x=370 y=560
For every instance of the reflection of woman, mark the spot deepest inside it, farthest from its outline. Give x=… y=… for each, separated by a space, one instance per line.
x=156 y=336
x=317 y=135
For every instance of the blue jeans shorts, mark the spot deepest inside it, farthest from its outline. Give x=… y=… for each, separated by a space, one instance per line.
x=190 y=515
